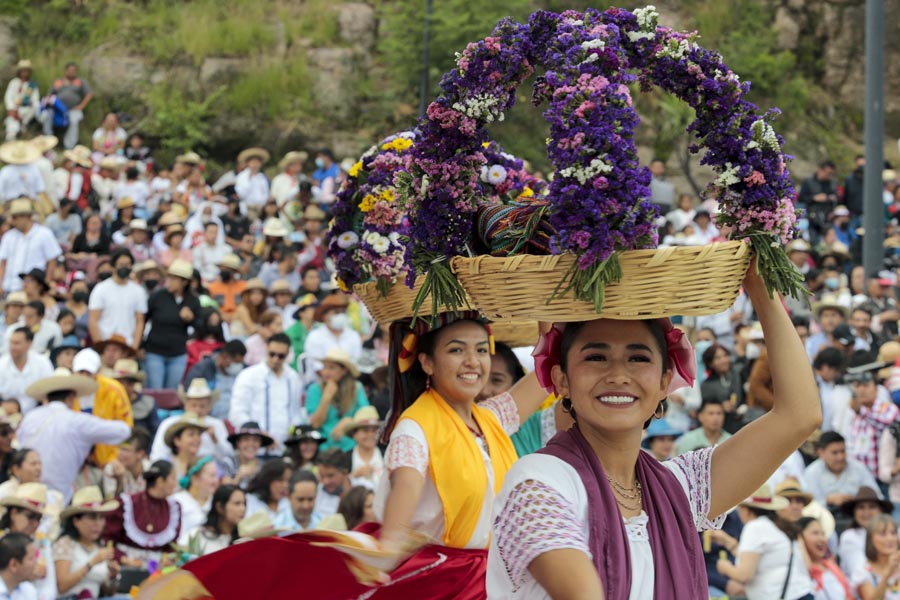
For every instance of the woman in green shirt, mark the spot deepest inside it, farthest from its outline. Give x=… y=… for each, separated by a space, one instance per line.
x=333 y=400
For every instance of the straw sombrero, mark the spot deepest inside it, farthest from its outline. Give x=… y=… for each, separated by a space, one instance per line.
x=764 y=499
x=790 y=488
x=19 y=153
x=128 y=369
x=340 y=357
x=258 y=525
x=181 y=268
x=88 y=500
x=260 y=153
x=186 y=421
x=61 y=380
x=80 y=155
x=366 y=416
x=230 y=261
x=293 y=156
x=45 y=143
x=30 y=496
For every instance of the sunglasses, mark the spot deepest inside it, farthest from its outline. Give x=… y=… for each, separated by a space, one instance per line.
x=33 y=516
x=278 y=355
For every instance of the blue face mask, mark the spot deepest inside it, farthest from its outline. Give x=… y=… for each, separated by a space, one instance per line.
x=832 y=283
x=320 y=162
x=702 y=346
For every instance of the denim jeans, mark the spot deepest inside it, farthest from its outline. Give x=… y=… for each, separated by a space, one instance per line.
x=164 y=372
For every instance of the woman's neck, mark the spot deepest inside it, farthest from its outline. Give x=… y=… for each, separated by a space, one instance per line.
x=157 y=493
x=883 y=563
x=365 y=453
x=200 y=496
x=226 y=528
x=617 y=452
x=272 y=504
x=86 y=543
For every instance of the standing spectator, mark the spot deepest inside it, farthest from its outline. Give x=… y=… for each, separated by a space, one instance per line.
x=75 y=94
x=171 y=311
x=220 y=370
x=227 y=289
x=118 y=304
x=20 y=177
x=18 y=558
x=286 y=185
x=110 y=401
x=251 y=185
x=662 y=191
x=819 y=195
x=64 y=223
x=62 y=436
x=326 y=177
x=198 y=401
x=210 y=252
x=28 y=245
x=710 y=433
x=22 y=100
x=335 y=332
x=335 y=398
x=21 y=367
x=270 y=393
x=872 y=413
x=853 y=187
x=832 y=478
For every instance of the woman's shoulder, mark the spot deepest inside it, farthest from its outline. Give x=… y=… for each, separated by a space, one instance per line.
x=548 y=471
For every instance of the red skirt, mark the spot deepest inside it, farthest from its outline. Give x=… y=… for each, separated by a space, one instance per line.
x=290 y=567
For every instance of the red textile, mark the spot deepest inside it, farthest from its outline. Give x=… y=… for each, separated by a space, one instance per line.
x=281 y=568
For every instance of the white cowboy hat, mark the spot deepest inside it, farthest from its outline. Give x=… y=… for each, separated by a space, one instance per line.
x=765 y=500
x=30 y=496
x=61 y=380
x=275 y=228
x=88 y=500
x=19 y=152
x=366 y=416
x=186 y=421
x=181 y=268
x=45 y=143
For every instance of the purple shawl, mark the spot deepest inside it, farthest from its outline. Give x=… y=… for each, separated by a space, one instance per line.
x=677 y=554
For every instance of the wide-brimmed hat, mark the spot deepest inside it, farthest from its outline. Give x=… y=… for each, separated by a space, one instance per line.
x=80 y=155
x=300 y=433
x=18 y=297
x=340 y=357
x=366 y=416
x=128 y=369
x=258 y=525
x=293 y=156
x=21 y=206
x=838 y=250
x=115 y=339
x=336 y=300
x=30 y=496
x=189 y=158
x=24 y=64
x=790 y=488
x=38 y=275
x=181 y=268
x=764 y=499
x=798 y=246
x=88 y=500
x=273 y=227
x=840 y=211
x=137 y=225
x=829 y=301
x=146 y=265
x=111 y=163
x=126 y=202
x=171 y=230
x=230 y=261
x=169 y=218
x=45 y=143
x=260 y=153
x=69 y=342
x=889 y=352
x=659 y=428
x=280 y=286
x=255 y=284
x=866 y=494
x=188 y=420
x=197 y=388
x=250 y=428
x=62 y=380
x=314 y=213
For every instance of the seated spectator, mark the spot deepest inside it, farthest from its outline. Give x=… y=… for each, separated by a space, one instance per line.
x=302 y=497
x=143 y=407
x=124 y=216
x=210 y=252
x=198 y=401
x=311 y=283
x=356 y=506
x=827 y=578
x=334 y=399
x=84 y=567
x=91 y=243
x=270 y=323
x=723 y=382
x=268 y=491
x=47 y=333
x=125 y=474
x=712 y=418
x=335 y=332
x=285 y=269
x=12 y=313
x=183 y=439
x=877 y=577
x=797 y=499
x=64 y=223
x=832 y=478
x=247 y=441
x=112 y=350
x=174 y=247
x=828 y=366
x=862 y=509
x=768 y=553
x=248 y=313
x=660 y=439
x=227 y=289
x=229 y=507
x=282 y=295
x=37 y=289
x=208 y=337
x=302 y=447
x=303 y=320
x=77 y=302
x=18 y=559
x=197 y=488
x=22 y=101
x=109 y=138
x=367 y=463
x=220 y=370
x=334 y=473
x=25 y=509
x=21 y=367
x=25 y=467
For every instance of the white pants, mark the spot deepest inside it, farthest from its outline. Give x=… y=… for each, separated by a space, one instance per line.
x=14 y=126
x=71 y=137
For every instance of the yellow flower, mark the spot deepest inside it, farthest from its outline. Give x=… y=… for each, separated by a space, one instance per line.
x=398 y=144
x=368 y=202
x=485 y=144
x=342 y=285
x=387 y=195
x=355 y=169
x=527 y=192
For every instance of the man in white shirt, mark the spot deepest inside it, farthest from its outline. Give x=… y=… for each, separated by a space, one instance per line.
x=18 y=558
x=20 y=177
x=334 y=332
x=213 y=442
x=117 y=305
x=21 y=367
x=47 y=333
x=270 y=393
x=286 y=185
x=251 y=185
x=833 y=478
x=60 y=435
x=28 y=245
x=12 y=316
x=22 y=100
x=210 y=252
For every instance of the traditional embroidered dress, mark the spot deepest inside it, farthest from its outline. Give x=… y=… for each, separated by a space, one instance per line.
x=144 y=527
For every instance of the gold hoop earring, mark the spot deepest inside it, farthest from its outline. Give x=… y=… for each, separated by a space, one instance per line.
x=660 y=410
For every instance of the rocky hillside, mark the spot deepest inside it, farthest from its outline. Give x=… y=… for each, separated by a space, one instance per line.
x=218 y=75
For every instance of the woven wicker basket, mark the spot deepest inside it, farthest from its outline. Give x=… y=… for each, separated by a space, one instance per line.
x=684 y=280
x=397 y=304
x=515 y=334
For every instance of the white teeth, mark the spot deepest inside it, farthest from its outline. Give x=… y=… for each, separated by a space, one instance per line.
x=470 y=377
x=617 y=399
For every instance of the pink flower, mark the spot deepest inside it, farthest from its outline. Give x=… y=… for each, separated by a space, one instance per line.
x=585 y=106
x=492 y=44
x=622 y=90
x=600 y=183
x=755 y=178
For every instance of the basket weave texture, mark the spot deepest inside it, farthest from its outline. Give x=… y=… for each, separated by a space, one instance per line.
x=515 y=334
x=397 y=304
x=681 y=280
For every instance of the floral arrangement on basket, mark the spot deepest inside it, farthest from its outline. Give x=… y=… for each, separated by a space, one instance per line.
x=598 y=199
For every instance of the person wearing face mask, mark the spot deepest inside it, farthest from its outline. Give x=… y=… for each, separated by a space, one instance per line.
x=220 y=369
x=148 y=275
x=334 y=332
x=118 y=304
x=227 y=289
x=325 y=178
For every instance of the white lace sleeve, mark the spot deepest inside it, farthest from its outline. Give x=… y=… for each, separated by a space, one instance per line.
x=506 y=411
x=407 y=448
x=692 y=469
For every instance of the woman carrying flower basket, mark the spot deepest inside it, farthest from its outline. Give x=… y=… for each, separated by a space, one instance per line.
x=638 y=541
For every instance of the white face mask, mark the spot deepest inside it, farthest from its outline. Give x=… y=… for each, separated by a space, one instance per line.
x=234 y=369
x=338 y=321
x=752 y=351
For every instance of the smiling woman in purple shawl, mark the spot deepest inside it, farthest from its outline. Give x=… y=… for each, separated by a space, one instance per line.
x=591 y=516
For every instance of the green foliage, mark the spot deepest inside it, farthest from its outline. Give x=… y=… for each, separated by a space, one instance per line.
x=277 y=90
x=180 y=123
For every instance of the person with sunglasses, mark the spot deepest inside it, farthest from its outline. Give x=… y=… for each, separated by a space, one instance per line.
x=271 y=394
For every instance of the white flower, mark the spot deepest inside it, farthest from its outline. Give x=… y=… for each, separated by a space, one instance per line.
x=484 y=173
x=394 y=237
x=596 y=43
x=348 y=239
x=482 y=106
x=590 y=58
x=585 y=174
x=424 y=187
x=381 y=245
x=729 y=175
x=676 y=50
x=764 y=135
x=496 y=174
x=647 y=18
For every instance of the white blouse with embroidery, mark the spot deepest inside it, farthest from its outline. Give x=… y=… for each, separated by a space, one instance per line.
x=409 y=448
